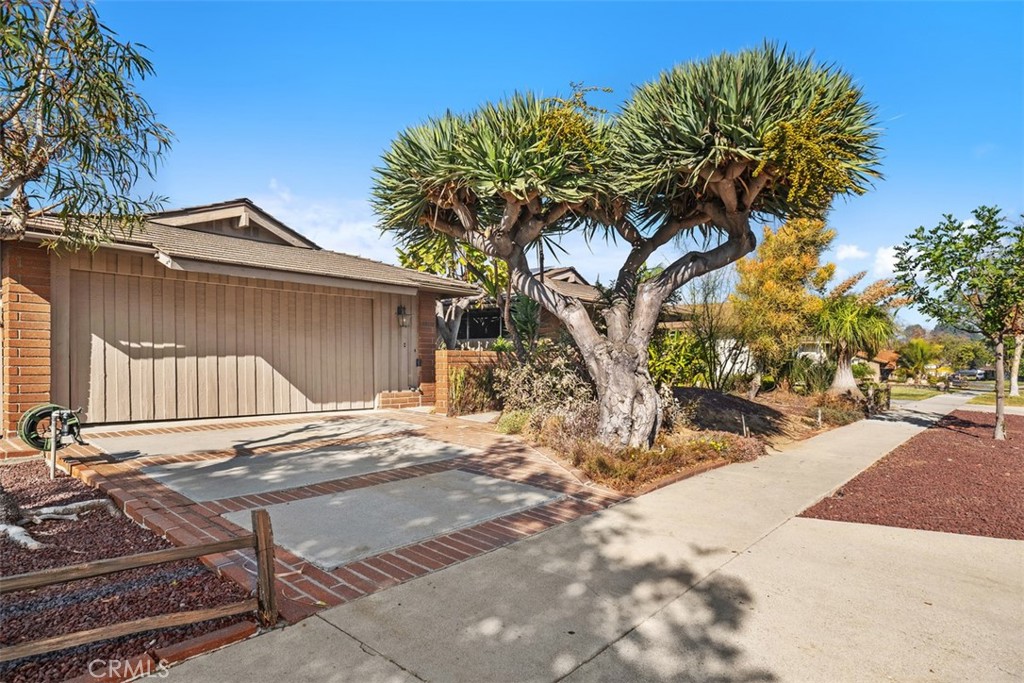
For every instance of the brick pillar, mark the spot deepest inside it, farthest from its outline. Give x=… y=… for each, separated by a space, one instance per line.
x=441 y=390
x=25 y=310
x=426 y=344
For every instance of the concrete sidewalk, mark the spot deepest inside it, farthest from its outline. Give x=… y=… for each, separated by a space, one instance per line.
x=710 y=578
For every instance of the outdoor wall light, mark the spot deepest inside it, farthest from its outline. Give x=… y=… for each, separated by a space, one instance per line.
x=404 y=317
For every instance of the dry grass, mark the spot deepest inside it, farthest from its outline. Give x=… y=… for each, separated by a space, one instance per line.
x=632 y=469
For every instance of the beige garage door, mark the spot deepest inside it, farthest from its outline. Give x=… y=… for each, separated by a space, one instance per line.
x=145 y=348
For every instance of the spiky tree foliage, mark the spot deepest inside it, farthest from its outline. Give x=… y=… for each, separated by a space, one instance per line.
x=703 y=148
x=970 y=276
x=917 y=354
x=850 y=322
x=75 y=134
x=777 y=295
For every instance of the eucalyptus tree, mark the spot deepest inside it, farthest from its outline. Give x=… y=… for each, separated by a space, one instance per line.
x=75 y=134
x=705 y=149
x=970 y=276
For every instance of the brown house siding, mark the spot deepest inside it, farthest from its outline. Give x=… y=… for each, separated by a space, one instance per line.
x=36 y=333
x=26 y=296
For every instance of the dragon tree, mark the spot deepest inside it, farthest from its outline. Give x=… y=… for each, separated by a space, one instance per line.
x=703 y=151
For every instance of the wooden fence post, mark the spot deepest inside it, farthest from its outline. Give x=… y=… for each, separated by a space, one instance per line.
x=264 y=543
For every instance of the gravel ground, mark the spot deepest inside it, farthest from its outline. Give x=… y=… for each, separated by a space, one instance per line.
x=30 y=615
x=953 y=477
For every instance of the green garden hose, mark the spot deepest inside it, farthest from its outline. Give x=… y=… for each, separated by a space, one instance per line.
x=29 y=423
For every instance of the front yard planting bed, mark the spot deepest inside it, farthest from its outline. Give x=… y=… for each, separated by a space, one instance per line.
x=954 y=477
x=79 y=605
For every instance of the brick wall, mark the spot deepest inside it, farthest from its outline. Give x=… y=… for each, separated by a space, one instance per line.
x=446 y=361
x=395 y=400
x=25 y=310
x=426 y=344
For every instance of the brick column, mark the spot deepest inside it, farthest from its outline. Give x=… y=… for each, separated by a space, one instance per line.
x=441 y=388
x=25 y=336
x=426 y=344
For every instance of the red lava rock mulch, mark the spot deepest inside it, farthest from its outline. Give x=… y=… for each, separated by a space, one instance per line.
x=79 y=605
x=953 y=477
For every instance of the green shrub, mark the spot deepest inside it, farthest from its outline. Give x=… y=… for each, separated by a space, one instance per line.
x=810 y=377
x=471 y=390
x=673 y=359
x=502 y=345
x=513 y=421
x=862 y=371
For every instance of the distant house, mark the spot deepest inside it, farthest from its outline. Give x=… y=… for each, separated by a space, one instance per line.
x=882 y=364
x=219 y=310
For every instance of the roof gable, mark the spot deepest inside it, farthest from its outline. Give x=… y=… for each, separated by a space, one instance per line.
x=239 y=218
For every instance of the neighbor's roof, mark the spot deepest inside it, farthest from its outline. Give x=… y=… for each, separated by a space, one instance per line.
x=585 y=293
x=884 y=357
x=184 y=243
x=567 y=281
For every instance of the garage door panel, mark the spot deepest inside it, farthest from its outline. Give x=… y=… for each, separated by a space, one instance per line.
x=146 y=348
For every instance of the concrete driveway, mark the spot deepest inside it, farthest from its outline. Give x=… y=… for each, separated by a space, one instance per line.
x=710 y=579
x=359 y=501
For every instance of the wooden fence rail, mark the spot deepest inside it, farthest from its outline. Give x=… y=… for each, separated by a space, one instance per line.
x=265 y=603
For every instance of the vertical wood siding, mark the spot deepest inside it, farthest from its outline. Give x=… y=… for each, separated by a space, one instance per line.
x=144 y=343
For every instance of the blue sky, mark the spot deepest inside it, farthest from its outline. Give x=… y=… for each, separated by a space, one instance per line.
x=291 y=104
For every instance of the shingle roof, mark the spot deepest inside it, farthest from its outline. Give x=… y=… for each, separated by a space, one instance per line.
x=212 y=248
x=585 y=293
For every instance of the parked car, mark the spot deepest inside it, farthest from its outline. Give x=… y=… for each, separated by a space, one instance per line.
x=969 y=373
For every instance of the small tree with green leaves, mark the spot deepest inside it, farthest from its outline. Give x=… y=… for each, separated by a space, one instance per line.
x=703 y=149
x=970 y=276
x=75 y=134
x=917 y=354
x=850 y=322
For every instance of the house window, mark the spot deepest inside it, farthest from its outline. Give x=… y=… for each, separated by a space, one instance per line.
x=483 y=323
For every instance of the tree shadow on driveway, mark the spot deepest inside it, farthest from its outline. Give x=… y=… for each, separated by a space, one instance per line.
x=606 y=598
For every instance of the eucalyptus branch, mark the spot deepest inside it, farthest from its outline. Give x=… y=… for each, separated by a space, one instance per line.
x=39 y=62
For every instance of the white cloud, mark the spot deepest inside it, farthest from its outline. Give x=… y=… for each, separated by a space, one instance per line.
x=849 y=251
x=885 y=262
x=346 y=225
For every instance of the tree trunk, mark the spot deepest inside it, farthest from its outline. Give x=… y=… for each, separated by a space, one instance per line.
x=448 y=313
x=1018 y=346
x=506 y=314
x=755 y=385
x=1000 y=431
x=845 y=384
x=628 y=402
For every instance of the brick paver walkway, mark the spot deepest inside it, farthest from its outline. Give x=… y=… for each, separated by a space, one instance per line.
x=304 y=588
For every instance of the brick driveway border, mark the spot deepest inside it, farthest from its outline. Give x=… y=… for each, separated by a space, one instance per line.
x=303 y=588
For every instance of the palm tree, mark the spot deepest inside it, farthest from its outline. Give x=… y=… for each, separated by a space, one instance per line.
x=850 y=323
x=917 y=354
